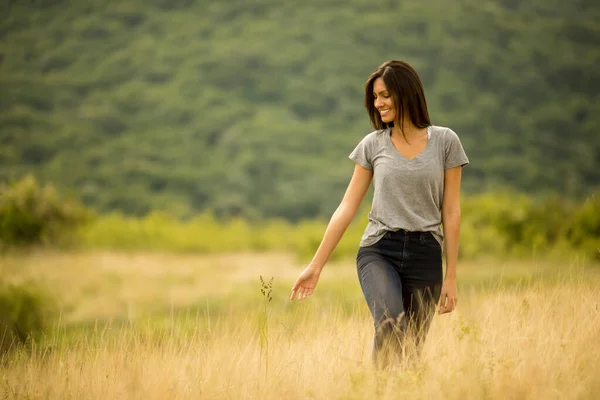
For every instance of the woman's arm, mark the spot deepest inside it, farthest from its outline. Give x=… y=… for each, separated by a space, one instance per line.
x=339 y=222
x=451 y=224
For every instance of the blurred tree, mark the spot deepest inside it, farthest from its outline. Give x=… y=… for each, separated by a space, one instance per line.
x=251 y=107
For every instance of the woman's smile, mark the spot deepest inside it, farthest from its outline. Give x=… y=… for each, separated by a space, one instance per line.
x=384 y=102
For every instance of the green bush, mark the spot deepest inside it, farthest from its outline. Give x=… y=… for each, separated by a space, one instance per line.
x=584 y=230
x=24 y=312
x=31 y=214
x=496 y=225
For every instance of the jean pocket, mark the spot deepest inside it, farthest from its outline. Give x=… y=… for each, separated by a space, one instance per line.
x=430 y=241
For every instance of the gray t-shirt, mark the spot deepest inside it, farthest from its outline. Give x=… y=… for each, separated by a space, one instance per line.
x=407 y=193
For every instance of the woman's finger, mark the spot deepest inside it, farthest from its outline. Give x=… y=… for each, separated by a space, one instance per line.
x=301 y=293
x=443 y=299
x=294 y=290
x=306 y=292
x=450 y=305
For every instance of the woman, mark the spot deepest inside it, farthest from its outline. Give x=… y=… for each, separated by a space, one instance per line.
x=416 y=172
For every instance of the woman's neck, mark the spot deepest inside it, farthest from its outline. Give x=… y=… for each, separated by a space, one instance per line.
x=411 y=132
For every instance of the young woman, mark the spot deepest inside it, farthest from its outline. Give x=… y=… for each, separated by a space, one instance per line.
x=416 y=172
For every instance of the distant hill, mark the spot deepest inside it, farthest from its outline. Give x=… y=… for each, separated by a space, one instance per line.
x=251 y=107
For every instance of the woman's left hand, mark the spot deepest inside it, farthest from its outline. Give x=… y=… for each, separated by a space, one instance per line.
x=449 y=296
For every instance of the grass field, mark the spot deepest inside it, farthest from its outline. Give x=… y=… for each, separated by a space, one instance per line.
x=163 y=326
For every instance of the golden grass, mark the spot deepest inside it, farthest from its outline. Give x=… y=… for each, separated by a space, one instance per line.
x=105 y=285
x=535 y=339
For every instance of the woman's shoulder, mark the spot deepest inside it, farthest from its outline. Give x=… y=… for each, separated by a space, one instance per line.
x=443 y=133
x=376 y=136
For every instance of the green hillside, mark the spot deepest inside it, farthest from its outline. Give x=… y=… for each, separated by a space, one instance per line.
x=251 y=107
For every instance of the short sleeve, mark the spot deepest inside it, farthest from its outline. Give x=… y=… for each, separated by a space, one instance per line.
x=454 y=153
x=362 y=153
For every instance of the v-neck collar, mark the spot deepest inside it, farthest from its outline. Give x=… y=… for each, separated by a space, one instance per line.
x=389 y=140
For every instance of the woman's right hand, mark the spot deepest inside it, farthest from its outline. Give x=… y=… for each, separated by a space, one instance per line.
x=306 y=283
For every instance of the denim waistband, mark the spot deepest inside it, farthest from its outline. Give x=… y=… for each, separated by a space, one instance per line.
x=404 y=232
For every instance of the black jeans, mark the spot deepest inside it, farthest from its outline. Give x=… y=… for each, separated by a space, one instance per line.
x=401 y=278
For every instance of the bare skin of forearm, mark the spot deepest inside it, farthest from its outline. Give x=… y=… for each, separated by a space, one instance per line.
x=339 y=222
x=451 y=226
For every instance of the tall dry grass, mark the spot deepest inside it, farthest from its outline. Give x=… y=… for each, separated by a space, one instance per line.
x=537 y=339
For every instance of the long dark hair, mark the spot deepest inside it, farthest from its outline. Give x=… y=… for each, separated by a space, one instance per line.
x=404 y=84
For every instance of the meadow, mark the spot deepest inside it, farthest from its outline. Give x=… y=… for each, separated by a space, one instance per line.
x=168 y=167
x=159 y=325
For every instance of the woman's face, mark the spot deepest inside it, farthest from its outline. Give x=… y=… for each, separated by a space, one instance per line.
x=384 y=102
